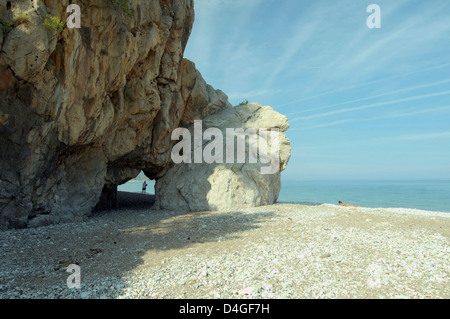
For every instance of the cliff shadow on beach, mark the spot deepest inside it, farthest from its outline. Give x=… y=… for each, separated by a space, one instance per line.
x=115 y=243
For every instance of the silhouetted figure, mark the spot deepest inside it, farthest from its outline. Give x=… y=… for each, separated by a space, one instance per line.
x=144 y=188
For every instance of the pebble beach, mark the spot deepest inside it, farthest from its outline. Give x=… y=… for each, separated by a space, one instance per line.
x=285 y=251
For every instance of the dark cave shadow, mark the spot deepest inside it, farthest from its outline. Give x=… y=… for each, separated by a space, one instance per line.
x=116 y=242
x=127 y=200
x=113 y=243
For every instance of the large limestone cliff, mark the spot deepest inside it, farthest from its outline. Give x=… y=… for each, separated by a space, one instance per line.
x=84 y=110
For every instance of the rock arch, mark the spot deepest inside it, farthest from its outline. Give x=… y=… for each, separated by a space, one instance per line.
x=85 y=110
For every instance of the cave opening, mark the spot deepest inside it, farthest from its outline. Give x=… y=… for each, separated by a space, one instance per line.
x=137 y=193
x=136 y=185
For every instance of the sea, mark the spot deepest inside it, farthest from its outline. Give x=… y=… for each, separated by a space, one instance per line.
x=431 y=195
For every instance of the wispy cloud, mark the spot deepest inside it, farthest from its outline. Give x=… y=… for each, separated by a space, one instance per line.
x=390 y=48
x=373 y=105
x=361 y=55
x=418 y=137
x=303 y=33
x=362 y=84
x=204 y=46
x=373 y=97
x=383 y=140
x=376 y=118
x=251 y=94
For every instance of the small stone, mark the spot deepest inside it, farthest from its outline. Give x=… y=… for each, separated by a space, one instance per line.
x=246 y=291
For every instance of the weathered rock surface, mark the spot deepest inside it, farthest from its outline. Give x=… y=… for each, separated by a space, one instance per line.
x=85 y=110
x=229 y=185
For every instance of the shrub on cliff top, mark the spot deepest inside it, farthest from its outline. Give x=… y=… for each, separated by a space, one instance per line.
x=54 y=23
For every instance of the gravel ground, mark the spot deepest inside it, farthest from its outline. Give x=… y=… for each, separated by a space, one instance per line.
x=279 y=251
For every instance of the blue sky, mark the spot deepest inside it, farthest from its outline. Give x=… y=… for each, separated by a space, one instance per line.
x=362 y=103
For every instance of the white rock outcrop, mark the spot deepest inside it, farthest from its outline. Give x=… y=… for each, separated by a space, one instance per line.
x=228 y=186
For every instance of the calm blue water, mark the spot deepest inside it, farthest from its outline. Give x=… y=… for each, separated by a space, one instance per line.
x=427 y=195
x=433 y=195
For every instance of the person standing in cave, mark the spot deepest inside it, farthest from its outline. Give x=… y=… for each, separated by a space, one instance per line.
x=144 y=188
